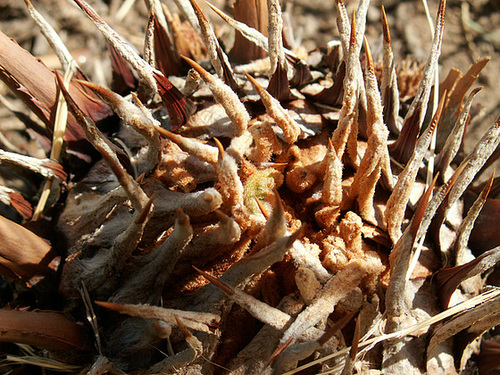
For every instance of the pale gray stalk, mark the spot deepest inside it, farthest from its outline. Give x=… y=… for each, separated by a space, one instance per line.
x=225 y=96
x=144 y=70
x=275 y=38
x=52 y=37
x=194 y=320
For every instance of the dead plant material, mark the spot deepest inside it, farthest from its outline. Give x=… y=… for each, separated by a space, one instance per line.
x=239 y=222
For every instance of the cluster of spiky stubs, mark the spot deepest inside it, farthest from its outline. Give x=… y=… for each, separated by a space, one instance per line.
x=293 y=197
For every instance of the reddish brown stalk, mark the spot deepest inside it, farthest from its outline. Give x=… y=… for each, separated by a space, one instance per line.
x=225 y=287
x=23 y=254
x=44 y=329
x=35 y=85
x=280 y=349
x=385 y=27
x=262 y=208
x=336 y=327
x=355 y=340
x=448 y=279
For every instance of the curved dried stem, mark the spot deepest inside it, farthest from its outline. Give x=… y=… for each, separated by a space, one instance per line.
x=144 y=70
x=291 y=130
x=225 y=96
x=396 y=205
x=108 y=151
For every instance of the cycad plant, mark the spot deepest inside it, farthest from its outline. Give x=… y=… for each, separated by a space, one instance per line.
x=246 y=211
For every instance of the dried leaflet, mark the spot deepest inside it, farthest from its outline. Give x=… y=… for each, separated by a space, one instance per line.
x=450 y=278
x=232 y=190
x=291 y=129
x=307 y=284
x=345 y=135
x=472 y=164
x=209 y=39
x=398 y=200
x=416 y=113
x=293 y=354
x=260 y=310
x=454 y=139
x=137 y=117
x=415 y=116
x=149 y=42
x=275 y=38
x=398 y=355
x=102 y=274
x=45 y=167
x=376 y=157
x=107 y=150
x=192 y=146
x=459 y=246
x=389 y=85
x=336 y=288
x=332 y=187
x=249 y=33
x=144 y=70
x=211 y=242
x=224 y=95
x=203 y=322
x=52 y=37
x=150 y=271
x=400 y=258
x=242 y=271
x=275 y=227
